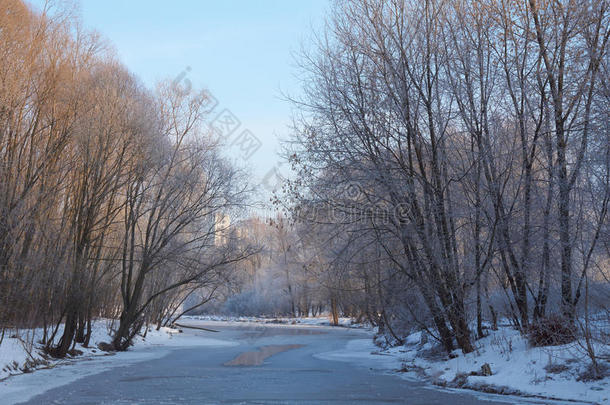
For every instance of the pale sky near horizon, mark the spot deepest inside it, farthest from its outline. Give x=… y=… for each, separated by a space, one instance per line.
x=241 y=51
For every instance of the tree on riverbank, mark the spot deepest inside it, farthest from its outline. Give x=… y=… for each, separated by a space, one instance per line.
x=108 y=190
x=464 y=146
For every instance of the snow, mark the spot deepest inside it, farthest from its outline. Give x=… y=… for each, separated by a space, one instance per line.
x=362 y=351
x=16 y=361
x=323 y=320
x=516 y=365
x=547 y=372
x=169 y=337
x=13 y=355
x=21 y=351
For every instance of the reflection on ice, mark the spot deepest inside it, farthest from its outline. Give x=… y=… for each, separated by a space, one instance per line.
x=256 y=358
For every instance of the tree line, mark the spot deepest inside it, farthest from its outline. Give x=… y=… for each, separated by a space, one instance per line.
x=110 y=192
x=453 y=158
x=280 y=279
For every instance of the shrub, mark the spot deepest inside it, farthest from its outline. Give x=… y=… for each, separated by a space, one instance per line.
x=460 y=380
x=594 y=372
x=552 y=330
x=553 y=368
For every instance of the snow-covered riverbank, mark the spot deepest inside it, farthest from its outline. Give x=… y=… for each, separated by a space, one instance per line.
x=557 y=372
x=21 y=351
x=323 y=320
x=28 y=372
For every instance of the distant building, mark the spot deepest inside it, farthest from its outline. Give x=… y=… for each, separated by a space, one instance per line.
x=221 y=229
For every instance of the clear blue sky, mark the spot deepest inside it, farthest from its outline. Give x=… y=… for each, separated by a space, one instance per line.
x=240 y=50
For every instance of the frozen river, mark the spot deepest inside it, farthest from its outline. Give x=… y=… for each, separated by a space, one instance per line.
x=259 y=364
